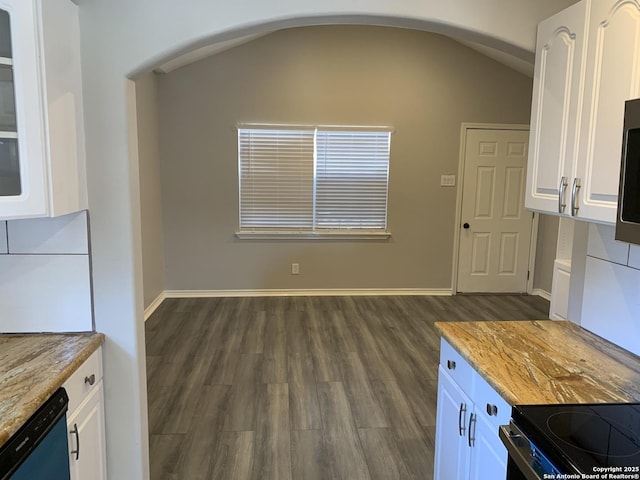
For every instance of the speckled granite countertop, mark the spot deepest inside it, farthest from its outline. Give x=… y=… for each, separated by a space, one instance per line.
x=546 y=361
x=32 y=367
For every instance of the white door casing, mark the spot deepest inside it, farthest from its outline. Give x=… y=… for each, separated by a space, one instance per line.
x=495 y=229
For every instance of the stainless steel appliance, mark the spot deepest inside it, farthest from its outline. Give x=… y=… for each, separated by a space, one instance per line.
x=584 y=440
x=39 y=449
x=628 y=219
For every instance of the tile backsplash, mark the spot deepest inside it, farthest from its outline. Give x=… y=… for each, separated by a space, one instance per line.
x=634 y=256
x=3 y=238
x=611 y=300
x=45 y=277
x=60 y=235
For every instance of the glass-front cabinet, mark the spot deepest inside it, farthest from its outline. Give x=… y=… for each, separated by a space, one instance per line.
x=41 y=119
x=9 y=157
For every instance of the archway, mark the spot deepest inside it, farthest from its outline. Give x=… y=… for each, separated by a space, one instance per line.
x=122 y=38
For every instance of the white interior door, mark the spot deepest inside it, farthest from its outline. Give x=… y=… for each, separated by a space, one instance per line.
x=495 y=229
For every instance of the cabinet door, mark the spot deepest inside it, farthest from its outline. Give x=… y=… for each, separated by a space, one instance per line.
x=452 y=455
x=42 y=151
x=86 y=437
x=23 y=189
x=611 y=77
x=558 y=72
x=488 y=454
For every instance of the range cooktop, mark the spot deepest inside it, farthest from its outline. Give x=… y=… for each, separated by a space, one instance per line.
x=578 y=438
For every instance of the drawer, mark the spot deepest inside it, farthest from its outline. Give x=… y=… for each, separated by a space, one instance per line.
x=84 y=380
x=490 y=404
x=457 y=367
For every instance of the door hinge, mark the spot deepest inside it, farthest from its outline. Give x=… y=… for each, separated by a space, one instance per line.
x=528 y=274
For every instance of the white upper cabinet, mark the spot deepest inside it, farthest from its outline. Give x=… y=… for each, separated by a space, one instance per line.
x=556 y=96
x=587 y=60
x=42 y=152
x=611 y=77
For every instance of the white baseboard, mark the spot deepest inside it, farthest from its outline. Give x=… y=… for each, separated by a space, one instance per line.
x=541 y=293
x=154 y=305
x=306 y=293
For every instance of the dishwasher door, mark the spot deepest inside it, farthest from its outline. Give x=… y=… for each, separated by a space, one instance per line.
x=39 y=450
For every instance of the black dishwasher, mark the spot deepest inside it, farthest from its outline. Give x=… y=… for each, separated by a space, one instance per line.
x=39 y=449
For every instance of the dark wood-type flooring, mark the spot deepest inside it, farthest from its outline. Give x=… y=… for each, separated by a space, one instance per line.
x=302 y=387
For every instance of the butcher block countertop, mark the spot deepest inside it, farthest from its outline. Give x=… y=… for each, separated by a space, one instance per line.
x=546 y=361
x=32 y=367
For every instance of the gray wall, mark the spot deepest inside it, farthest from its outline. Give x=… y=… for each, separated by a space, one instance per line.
x=545 y=252
x=422 y=84
x=150 y=189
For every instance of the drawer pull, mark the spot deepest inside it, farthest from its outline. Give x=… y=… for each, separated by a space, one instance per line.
x=77 y=434
x=492 y=410
x=91 y=379
x=451 y=365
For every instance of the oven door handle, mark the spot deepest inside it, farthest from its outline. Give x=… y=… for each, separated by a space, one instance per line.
x=519 y=451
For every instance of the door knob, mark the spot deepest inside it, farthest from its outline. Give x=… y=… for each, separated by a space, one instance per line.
x=465 y=225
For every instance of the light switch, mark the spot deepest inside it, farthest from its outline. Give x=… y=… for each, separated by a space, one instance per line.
x=447 y=180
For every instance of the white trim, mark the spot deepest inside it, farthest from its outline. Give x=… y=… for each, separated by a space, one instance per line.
x=541 y=293
x=347 y=234
x=154 y=305
x=329 y=292
x=460 y=184
x=533 y=248
x=300 y=126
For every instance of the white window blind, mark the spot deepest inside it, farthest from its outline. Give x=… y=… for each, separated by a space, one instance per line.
x=352 y=173
x=276 y=178
x=313 y=180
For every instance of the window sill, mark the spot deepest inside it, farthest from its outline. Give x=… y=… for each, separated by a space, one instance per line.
x=302 y=235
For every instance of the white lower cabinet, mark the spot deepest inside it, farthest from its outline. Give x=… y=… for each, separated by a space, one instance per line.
x=85 y=421
x=469 y=414
x=488 y=454
x=86 y=438
x=452 y=454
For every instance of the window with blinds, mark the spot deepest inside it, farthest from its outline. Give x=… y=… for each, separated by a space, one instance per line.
x=313 y=179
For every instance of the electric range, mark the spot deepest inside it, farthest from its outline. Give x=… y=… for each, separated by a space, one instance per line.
x=600 y=441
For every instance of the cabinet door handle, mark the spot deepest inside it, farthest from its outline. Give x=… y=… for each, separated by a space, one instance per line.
x=77 y=434
x=492 y=410
x=473 y=420
x=451 y=365
x=574 y=196
x=562 y=205
x=461 y=418
x=91 y=379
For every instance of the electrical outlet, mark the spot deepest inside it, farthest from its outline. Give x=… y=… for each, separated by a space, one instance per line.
x=295 y=269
